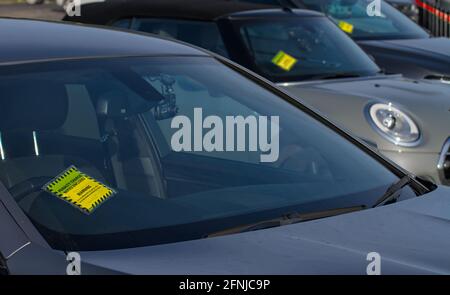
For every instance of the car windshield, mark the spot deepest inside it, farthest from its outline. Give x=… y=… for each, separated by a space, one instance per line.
x=352 y=17
x=176 y=148
x=300 y=48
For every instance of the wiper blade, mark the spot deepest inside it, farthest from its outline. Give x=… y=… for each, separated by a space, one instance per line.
x=337 y=76
x=331 y=76
x=287 y=219
x=393 y=192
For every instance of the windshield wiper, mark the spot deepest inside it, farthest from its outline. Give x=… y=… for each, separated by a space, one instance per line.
x=331 y=76
x=285 y=219
x=336 y=76
x=393 y=192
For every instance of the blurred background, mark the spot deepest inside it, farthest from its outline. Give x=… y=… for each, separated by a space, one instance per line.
x=433 y=15
x=20 y=8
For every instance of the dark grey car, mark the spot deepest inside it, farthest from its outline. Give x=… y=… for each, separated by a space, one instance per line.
x=106 y=104
x=397 y=43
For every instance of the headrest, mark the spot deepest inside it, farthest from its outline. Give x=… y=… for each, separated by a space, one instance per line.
x=113 y=104
x=32 y=105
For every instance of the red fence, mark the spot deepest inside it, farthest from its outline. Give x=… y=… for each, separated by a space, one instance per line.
x=434 y=15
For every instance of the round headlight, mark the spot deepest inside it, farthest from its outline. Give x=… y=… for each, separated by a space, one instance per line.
x=394 y=125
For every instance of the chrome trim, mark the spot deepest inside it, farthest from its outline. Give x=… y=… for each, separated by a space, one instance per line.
x=384 y=135
x=36 y=146
x=440 y=165
x=17 y=250
x=445 y=80
x=363 y=78
x=2 y=151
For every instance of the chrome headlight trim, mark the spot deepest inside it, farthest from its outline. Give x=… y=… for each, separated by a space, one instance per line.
x=370 y=110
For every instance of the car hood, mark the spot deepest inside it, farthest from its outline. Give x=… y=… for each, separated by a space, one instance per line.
x=345 y=102
x=431 y=51
x=410 y=237
x=433 y=46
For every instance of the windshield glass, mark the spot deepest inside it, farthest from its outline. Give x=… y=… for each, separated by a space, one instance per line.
x=352 y=17
x=188 y=146
x=293 y=49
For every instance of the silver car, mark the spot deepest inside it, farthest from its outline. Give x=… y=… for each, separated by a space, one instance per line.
x=308 y=55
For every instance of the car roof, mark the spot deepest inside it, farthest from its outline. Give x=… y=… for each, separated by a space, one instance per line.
x=273 y=13
x=201 y=10
x=32 y=40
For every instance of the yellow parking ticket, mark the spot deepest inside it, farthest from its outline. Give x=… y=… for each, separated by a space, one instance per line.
x=80 y=190
x=346 y=27
x=284 y=60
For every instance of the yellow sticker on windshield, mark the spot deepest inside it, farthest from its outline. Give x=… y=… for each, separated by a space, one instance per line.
x=284 y=60
x=79 y=189
x=346 y=27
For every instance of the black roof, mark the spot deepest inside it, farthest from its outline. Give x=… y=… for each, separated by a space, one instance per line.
x=204 y=10
x=274 y=13
x=30 y=40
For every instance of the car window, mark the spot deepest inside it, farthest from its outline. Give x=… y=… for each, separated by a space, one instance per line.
x=294 y=49
x=187 y=146
x=200 y=33
x=353 y=18
x=189 y=96
x=80 y=105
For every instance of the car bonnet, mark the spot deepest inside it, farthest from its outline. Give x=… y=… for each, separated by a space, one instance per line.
x=439 y=46
x=346 y=101
x=431 y=47
x=411 y=237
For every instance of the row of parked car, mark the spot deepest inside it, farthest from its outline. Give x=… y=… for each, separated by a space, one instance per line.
x=358 y=108
x=392 y=44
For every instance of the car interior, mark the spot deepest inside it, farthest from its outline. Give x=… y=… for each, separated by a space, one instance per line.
x=39 y=140
x=115 y=127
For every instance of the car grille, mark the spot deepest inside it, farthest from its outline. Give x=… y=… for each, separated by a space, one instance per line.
x=444 y=163
x=434 y=15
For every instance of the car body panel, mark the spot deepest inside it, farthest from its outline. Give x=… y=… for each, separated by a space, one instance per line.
x=428 y=106
x=415 y=58
x=16 y=240
x=424 y=164
x=56 y=41
x=408 y=235
x=408 y=57
x=436 y=46
x=111 y=10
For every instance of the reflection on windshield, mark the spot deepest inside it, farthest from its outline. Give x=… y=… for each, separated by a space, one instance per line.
x=112 y=119
x=300 y=48
x=352 y=17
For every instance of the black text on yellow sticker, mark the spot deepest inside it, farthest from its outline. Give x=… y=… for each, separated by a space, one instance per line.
x=284 y=60
x=79 y=190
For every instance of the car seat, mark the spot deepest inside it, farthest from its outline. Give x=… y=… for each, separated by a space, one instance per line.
x=33 y=150
x=135 y=166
